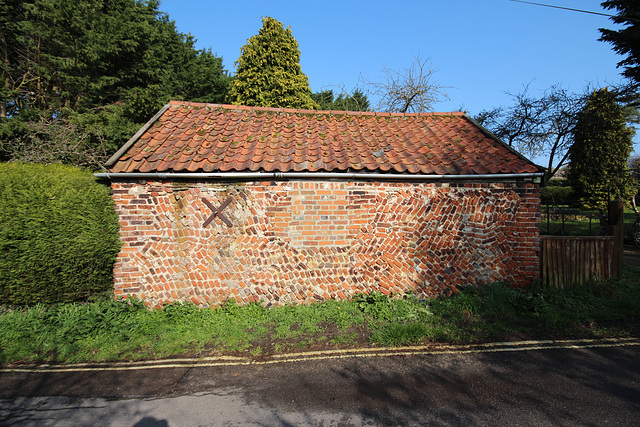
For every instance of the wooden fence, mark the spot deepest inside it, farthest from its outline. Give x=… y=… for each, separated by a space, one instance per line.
x=569 y=261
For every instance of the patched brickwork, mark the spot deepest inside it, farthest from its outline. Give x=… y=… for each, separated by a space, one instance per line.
x=301 y=241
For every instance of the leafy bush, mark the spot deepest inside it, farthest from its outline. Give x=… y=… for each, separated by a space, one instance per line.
x=376 y=304
x=634 y=233
x=554 y=195
x=59 y=234
x=558 y=182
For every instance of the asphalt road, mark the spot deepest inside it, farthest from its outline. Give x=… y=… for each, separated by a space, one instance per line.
x=581 y=385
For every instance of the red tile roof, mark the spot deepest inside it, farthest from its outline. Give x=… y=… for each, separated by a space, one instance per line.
x=190 y=137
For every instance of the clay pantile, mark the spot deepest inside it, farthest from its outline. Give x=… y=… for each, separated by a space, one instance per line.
x=286 y=163
x=480 y=169
x=121 y=166
x=209 y=137
x=195 y=165
x=211 y=166
x=149 y=166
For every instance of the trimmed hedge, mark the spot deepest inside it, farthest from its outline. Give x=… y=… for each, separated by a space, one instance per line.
x=58 y=235
x=554 y=195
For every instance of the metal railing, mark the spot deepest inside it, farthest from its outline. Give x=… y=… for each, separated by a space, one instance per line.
x=562 y=220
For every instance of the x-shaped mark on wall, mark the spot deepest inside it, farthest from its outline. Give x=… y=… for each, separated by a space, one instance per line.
x=217 y=212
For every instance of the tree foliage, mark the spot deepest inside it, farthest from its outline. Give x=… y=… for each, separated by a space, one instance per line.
x=537 y=125
x=599 y=169
x=356 y=101
x=634 y=167
x=625 y=41
x=268 y=71
x=103 y=67
x=52 y=140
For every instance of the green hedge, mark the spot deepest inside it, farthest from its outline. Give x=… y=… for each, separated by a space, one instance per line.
x=554 y=195
x=58 y=235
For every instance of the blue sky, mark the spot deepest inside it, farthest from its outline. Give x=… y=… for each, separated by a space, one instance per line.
x=481 y=48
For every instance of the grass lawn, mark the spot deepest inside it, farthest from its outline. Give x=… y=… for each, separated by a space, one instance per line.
x=108 y=330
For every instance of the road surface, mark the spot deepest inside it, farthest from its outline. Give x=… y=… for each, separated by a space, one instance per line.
x=520 y=384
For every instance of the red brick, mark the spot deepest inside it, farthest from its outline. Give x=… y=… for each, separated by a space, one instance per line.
x=331 y=257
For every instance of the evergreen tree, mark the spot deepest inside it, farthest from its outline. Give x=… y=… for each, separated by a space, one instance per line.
x=85 y=74
x=324 y=99
x=357 y=101
x=599 y=169
x=268 y=71
x=625 y=41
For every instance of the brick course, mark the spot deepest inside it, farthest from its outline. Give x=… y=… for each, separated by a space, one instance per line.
x=303 y=241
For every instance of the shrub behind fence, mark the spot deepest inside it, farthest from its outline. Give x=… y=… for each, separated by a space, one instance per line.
x=562 y=220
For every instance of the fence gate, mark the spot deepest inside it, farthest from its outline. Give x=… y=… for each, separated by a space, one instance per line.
x=569 y=261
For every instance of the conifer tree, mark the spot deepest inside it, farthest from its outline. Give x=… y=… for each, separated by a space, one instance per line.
x=603 y=143
x=79 y=77
x=625 y=41
x=356 y=101
x=268 y=71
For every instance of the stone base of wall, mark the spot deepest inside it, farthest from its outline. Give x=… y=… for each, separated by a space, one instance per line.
x=303 y=241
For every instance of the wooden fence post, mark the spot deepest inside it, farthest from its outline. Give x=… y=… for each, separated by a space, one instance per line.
x=616 y=228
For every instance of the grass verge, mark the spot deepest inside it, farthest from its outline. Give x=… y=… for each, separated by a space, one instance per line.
x=108 y=330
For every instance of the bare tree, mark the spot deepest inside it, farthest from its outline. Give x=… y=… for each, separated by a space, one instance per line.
x=537 y=125
x=53 y=140
x=409 y=90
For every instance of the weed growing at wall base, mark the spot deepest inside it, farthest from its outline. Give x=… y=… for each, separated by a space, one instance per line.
x=108 y=330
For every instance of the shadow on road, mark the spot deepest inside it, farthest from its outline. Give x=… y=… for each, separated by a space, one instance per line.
x=584 y=386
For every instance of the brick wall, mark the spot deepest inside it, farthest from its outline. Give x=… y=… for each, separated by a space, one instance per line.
x=300 y=241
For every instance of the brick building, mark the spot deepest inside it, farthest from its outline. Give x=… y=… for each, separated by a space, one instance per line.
x=222 y=202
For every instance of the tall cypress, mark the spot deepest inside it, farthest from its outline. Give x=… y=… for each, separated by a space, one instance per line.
x=268 y=71
x=603 y=143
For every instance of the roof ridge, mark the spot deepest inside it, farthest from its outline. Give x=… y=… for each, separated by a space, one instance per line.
x=315 y=112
